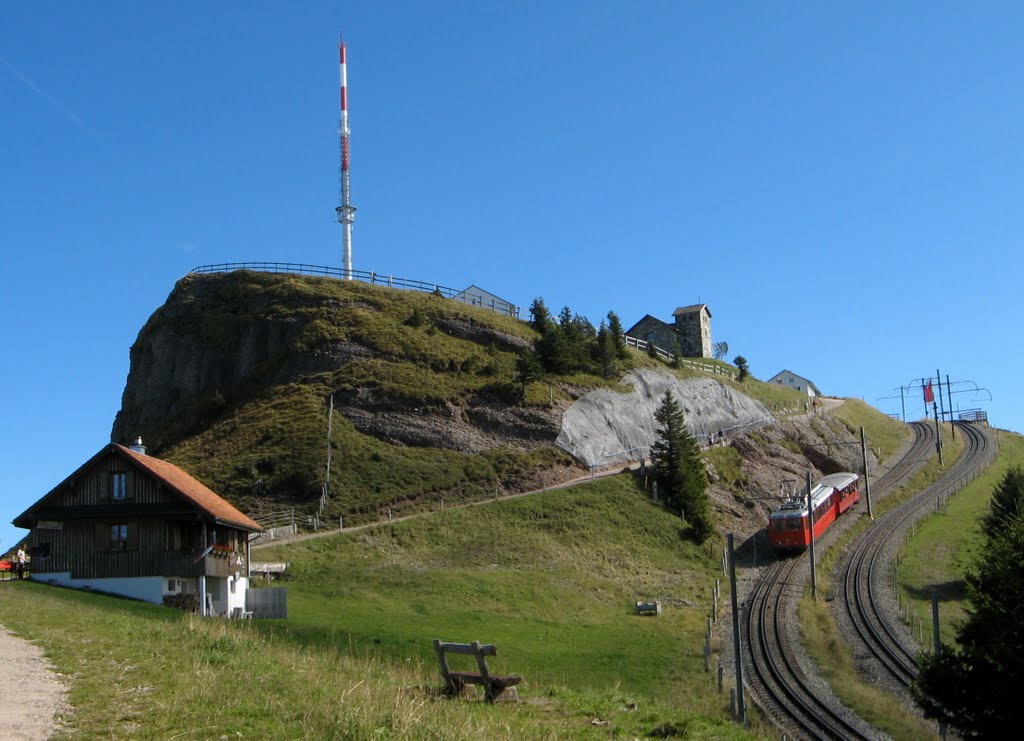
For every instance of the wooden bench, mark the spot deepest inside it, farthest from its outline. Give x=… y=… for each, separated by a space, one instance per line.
x=495 y=688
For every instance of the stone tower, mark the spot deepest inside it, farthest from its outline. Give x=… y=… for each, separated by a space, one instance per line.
x=693 y=324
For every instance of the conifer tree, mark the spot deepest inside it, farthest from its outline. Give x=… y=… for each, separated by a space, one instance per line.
x=604 y=352
x=527 y=368
x=677 y=355
x=618 y=335
x=540 y=317
x=741 y=365
x=679 y=469
x=1007 y=501
x=974 y=684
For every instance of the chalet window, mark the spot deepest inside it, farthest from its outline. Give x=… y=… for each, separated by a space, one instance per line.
x=119 y=486
x=117 y=536
x=178 y=536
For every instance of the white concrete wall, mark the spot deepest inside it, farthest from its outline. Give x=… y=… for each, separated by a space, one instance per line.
x=223 y=597
x=153 y=588
x=237 y=598
x=148 y=588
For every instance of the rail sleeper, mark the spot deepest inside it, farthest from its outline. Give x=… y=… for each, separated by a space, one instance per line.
x=495 y=688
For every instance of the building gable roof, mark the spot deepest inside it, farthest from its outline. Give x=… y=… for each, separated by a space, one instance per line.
x=647 y=317
x=474 y=290
x=808 y=381
x=693 y=309
x=177 y=480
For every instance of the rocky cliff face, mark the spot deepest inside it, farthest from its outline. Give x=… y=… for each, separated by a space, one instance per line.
x=219 y=339
x=197 y=348
x=606 y=428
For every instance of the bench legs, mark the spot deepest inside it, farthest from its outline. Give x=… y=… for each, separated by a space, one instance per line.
x=503 y=694
x=492 y=692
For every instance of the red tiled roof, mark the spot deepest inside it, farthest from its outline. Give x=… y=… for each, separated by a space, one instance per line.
x=191 y=489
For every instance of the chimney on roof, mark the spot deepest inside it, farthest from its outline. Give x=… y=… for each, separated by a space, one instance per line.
x=137 y=446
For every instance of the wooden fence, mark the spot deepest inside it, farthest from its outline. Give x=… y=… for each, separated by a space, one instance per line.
x=268 y=602
x=693 y=363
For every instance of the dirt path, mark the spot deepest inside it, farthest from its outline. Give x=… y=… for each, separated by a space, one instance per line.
x=826 y=404
x=33 y=696
x=597 y=474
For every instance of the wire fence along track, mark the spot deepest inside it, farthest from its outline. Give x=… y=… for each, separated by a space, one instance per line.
x=866 y=586
x=371 y=277
x=778 y=684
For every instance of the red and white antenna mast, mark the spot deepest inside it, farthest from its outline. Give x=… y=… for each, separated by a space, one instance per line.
x=346 y=211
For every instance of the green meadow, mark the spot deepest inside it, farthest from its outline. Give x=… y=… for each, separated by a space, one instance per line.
x=551 y=579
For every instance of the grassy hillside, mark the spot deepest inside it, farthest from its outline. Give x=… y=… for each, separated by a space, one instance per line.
x=260 y=441
x=551 y=579
x=883 y=433
x=428 y=401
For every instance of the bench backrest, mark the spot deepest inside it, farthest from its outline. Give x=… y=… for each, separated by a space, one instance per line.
x=476 y=649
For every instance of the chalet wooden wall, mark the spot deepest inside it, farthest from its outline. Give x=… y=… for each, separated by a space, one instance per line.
x=68 y=536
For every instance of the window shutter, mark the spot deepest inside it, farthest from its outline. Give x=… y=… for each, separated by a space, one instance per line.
x=133 y=536
x=102 y=536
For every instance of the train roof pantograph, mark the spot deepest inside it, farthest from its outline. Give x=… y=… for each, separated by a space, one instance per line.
x=797 y=506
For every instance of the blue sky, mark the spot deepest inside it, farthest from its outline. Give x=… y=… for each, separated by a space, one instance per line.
x=839 y=182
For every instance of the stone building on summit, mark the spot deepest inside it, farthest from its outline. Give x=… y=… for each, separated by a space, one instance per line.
x=691 y=330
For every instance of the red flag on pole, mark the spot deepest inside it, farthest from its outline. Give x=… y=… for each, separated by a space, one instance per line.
x=929 y=395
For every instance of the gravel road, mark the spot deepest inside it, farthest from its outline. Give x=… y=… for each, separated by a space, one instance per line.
x=33 y=697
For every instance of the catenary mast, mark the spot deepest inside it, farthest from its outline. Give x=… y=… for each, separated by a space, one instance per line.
x=346 y=211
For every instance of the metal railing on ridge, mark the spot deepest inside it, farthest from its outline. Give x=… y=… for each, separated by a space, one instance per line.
x=364 y=276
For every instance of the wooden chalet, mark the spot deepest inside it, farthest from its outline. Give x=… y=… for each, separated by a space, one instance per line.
x=129 y=524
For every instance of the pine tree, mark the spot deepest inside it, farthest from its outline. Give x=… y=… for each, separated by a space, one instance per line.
x=528 y=368
x=1007 y=501
x=677 y=355
x=618 y=335
x=741 y=365
x=604 y=352
x=540 y=317
x=974 y=685
x=679 y=469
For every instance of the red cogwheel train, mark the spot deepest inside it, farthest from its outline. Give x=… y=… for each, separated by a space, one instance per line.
x=788 y=529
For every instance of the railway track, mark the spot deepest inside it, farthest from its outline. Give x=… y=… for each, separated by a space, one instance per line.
x=867 y=592
x=779 y=684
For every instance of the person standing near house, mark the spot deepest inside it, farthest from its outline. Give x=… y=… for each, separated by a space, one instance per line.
x=22 y=558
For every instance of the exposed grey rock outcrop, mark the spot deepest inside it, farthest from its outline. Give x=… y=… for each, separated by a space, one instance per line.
x=607 y=428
